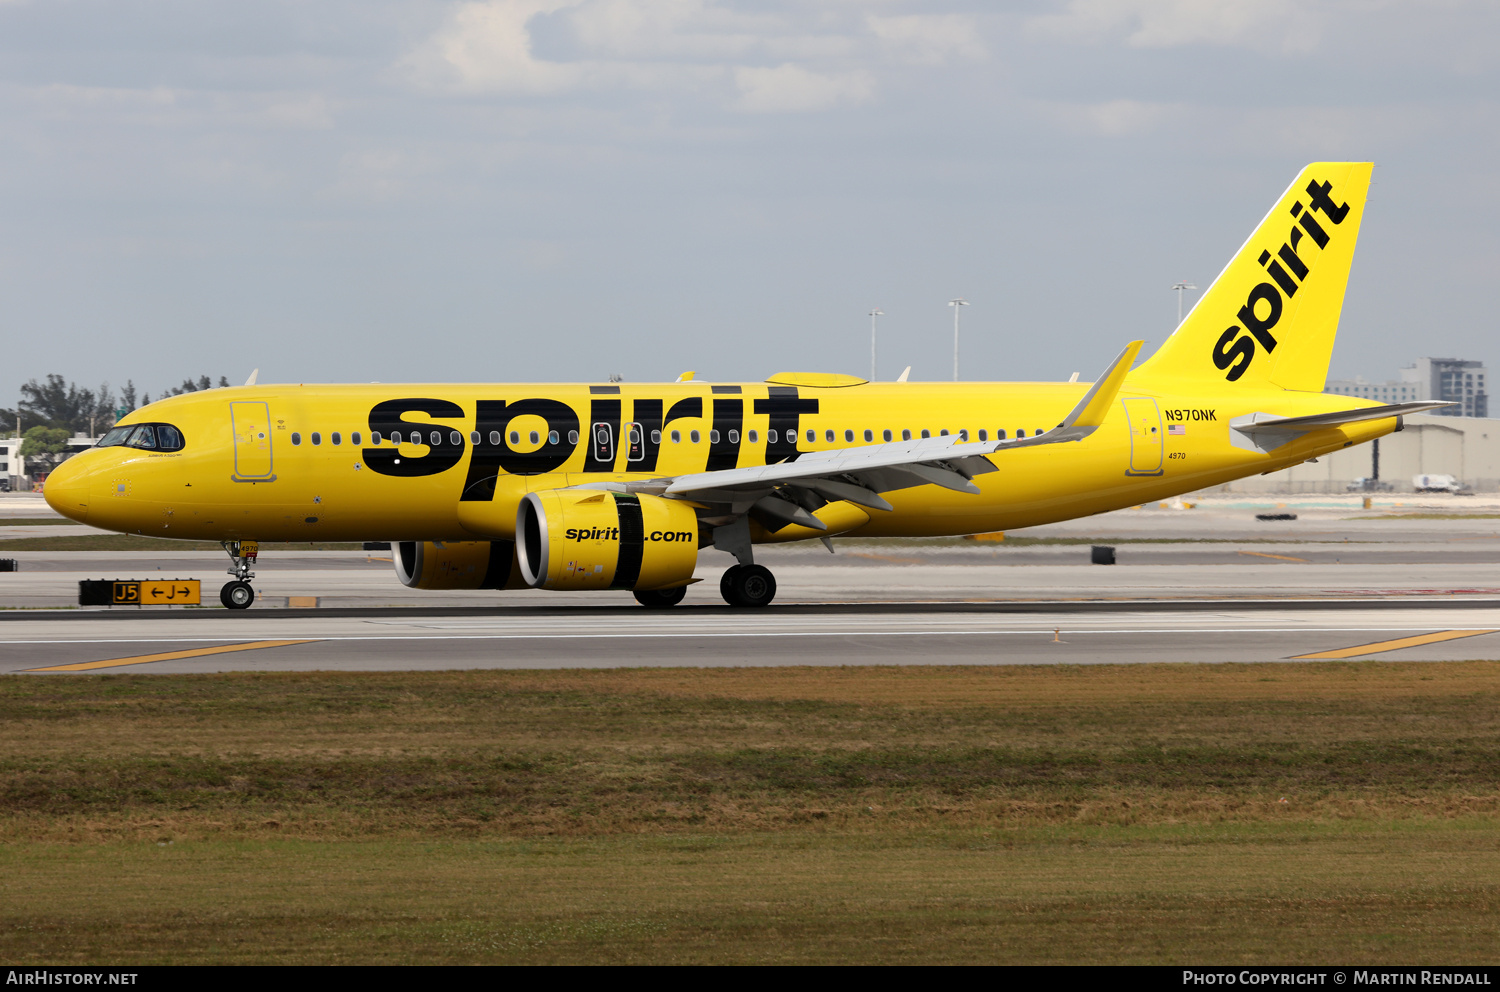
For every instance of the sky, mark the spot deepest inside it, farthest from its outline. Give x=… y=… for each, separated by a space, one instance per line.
x=543 y=190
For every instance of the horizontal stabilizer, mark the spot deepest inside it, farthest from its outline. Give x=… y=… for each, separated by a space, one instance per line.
x=1266 y=432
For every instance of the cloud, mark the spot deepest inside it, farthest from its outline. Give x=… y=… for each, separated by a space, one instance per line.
x=792 y=89
x=798 y=59
x=1284 y=26
x=929 y=39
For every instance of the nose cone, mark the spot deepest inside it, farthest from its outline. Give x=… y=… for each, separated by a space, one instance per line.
x=67 y=489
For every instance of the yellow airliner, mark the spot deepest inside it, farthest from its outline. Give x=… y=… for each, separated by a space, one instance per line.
x=618 y=486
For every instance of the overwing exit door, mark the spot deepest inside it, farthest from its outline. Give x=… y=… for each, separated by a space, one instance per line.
x=1144 y=418
x=251 y=422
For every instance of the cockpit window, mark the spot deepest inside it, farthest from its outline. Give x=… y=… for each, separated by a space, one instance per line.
x=152 y=437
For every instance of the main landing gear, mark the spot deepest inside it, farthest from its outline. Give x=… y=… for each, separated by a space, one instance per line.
x=748 y=585
x=237 y=595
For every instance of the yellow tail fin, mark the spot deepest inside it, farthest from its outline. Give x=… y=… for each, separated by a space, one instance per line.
x=1270 y=317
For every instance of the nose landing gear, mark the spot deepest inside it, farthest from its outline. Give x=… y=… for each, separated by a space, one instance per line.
x=238 y=595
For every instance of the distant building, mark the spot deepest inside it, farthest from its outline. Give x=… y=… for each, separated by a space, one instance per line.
x=13 y=466
x=1457 y=380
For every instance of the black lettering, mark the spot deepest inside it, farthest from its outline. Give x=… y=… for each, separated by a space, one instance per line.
x=1312 y=227
x=1239 y=356
x=387 y=418
x=632 y=535
x=683 y=409
x=1323 y=202
x=785 y=410
x=1288 y=254
x=492 y=419
x=1253 y=323
x=647 y=413
x=1287 y=283
x=728 y=416
x=602 y=412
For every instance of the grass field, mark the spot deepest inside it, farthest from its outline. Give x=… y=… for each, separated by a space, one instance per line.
x=1221 y=813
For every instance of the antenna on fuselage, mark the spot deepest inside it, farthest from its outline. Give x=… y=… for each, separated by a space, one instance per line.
x=904 y=373
x=251 y=381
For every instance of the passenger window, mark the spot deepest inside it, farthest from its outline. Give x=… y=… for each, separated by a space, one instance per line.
x=296 y=438
x=317 y=438
x=886 y=434
x=693 y=436
x=656 y=437
x=999 y=435
x=336 y=437
x=943 y=432
x=536 y=438
x=772 y=436
x=1041 y=431
x=552 y=437
x=906 y=435
x=1020 y=433
x=436 y=438
x=495 y=438
x=926 y=432
x=755 y=437
x=812 y=436
x=984 y=435
x=455 y=438
x=677 y=437
x=963 y=435
x=416 y=437
x=515 y=437
x=713 y=437
x=374 y=437
x=572 y=437
x=473 y=437
x=848 y=436
x=734 y=437
x=869 y=435
x=354 y=438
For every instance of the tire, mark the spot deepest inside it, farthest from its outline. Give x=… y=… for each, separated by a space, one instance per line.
x=726 y=583
x=660 y=599
x=237 y=595
x=752 y=585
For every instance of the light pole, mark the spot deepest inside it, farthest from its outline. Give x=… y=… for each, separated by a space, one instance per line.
x=1178 y=290
x=957 y=304
x=877 y=312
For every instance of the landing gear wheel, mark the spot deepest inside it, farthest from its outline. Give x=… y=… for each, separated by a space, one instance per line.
x=237 y=595
x=726 y=583
x=749 y=585
x=660 y=599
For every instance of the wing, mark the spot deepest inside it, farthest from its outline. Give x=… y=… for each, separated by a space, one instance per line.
x=788 y=491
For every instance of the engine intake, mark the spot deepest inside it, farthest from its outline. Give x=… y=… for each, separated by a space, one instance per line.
x=457 y=564
x=582 y=539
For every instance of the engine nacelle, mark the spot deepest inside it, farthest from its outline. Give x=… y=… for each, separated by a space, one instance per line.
x=586 y=539
x=457 y=564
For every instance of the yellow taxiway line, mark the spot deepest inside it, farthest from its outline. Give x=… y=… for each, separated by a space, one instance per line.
x=143 y=659
x=1396 y=645
x=1262 y=554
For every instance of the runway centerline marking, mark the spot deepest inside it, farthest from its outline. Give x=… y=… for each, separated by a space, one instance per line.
x=144 y=659
x=1380 y=647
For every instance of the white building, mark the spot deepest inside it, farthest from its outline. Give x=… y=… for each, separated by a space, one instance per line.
x=1458 y=380
x=13 y=466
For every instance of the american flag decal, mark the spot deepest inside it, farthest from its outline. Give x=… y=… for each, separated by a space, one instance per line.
x=1177 y=428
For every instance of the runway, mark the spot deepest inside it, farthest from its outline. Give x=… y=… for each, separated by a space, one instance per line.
x=713 y=636
x=1211 y=585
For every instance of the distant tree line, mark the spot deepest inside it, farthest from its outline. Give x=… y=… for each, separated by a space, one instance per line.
x=60 y=405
